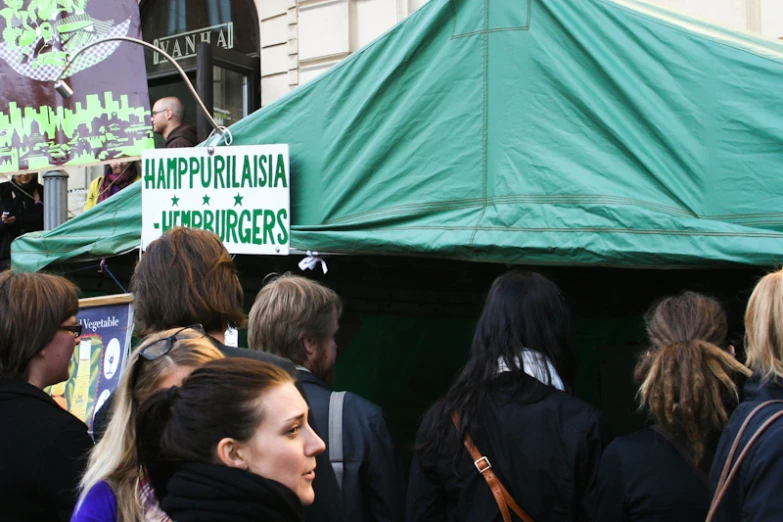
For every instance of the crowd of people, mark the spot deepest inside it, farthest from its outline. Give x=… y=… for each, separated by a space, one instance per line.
x=201 y=431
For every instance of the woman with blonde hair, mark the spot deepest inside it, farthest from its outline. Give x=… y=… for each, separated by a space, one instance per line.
x=113 y=489
x=689 y=383
x=752 y=492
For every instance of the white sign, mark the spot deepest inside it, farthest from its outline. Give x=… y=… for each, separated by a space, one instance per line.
x=239 y=193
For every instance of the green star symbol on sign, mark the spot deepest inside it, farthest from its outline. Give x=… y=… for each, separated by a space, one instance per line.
x=175 y=201
x=238 y=200
x=206 y=200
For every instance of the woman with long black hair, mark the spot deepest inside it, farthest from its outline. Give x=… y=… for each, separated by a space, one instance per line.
x=513 y=400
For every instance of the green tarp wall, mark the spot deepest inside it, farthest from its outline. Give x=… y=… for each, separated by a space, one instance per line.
x=591 y=132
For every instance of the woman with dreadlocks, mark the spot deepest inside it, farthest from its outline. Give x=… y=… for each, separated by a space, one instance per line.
x=690 y=384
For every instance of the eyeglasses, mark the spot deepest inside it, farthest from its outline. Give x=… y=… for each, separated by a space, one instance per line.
x=160 y=348
x=75 y=329
x=157 y=112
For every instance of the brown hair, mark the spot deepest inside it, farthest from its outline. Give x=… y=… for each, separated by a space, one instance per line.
x=218 y=400
x=33 y=307
x=114 y=458
x=186 y=277
x=764 y=327
x=287 y=310
x=687 y=381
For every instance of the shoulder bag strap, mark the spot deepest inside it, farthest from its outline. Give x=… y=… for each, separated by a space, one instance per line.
x=730 y=471
x=682 y=451
x=502 y=496
x=336 y=400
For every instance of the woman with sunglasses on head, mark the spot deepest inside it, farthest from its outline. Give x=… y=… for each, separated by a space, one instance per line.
x=113 y=489
x=232 y=444
x=187 y=276
x=42 y=446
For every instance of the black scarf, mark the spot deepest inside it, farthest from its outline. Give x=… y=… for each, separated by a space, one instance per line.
x=211 y=493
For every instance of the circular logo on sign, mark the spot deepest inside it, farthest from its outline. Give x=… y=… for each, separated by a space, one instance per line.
x=111 y=359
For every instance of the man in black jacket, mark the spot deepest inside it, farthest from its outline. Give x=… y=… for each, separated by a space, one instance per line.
x=297 y=318
x=168 y=115
x=187 y=277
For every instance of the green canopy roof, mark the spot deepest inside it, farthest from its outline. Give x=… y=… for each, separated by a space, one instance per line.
x=524 y=131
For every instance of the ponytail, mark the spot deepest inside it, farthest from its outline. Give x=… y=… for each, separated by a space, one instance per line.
x=152 y=427
x=689 y=387
x=217 y=400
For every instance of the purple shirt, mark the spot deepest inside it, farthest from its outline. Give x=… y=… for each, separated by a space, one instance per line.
x=98 y=505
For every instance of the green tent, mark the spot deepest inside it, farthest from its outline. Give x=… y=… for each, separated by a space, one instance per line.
x=597 y=132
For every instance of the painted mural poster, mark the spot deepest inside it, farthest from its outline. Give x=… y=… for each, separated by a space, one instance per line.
x=107 y=117
x=100 y=356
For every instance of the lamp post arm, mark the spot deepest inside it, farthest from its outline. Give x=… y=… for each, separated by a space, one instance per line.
x=72 y=59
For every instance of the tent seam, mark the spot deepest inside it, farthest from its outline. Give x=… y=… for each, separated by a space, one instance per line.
x=484 y=124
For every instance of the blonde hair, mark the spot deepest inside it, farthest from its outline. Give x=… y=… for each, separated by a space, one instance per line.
x=114 y=458
x=287 y=310
x=688 y=382
x=764 y=327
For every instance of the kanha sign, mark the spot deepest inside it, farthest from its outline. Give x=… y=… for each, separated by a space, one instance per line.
x=239 y=193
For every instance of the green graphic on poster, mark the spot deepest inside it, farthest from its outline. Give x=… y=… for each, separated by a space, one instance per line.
x=99 y=358
x=106 y=119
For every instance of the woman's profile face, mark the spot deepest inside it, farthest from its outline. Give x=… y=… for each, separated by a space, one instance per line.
x=284 y=446
x=23 y=179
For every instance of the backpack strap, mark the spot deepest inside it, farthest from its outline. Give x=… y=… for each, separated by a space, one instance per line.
x=657 y=428
x=730 y=471
x=503 y=498
x=336 y=400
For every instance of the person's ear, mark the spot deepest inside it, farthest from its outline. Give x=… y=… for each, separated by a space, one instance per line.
x=731 y=350
x=229 y=453
x=310 y=346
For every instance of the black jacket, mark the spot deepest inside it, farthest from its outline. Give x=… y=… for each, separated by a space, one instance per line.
x=642 y=476
x=755 y=493
x=43 y=450
x=543 y=444
x=373 y=476
x=182 y=136
x=327 y=506
x=28 y=214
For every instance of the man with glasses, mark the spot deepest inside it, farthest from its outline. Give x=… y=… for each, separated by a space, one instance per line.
x=168 y=115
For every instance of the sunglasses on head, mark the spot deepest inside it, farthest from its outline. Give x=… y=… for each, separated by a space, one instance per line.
x=161 y=347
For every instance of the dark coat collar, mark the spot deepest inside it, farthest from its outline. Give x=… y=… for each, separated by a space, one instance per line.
x=758 y=390
x=306 y=376
x=14 y=389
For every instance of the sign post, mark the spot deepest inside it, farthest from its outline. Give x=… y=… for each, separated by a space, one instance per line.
x=239 y=193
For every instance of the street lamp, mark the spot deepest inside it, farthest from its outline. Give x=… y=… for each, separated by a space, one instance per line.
x=66 y=91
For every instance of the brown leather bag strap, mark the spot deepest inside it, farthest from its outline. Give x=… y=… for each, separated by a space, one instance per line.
x=730 y=471
x=502 y=496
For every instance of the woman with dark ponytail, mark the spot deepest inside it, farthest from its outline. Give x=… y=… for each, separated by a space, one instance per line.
x=513 y=399
x=232 y=444
x=689 y=382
